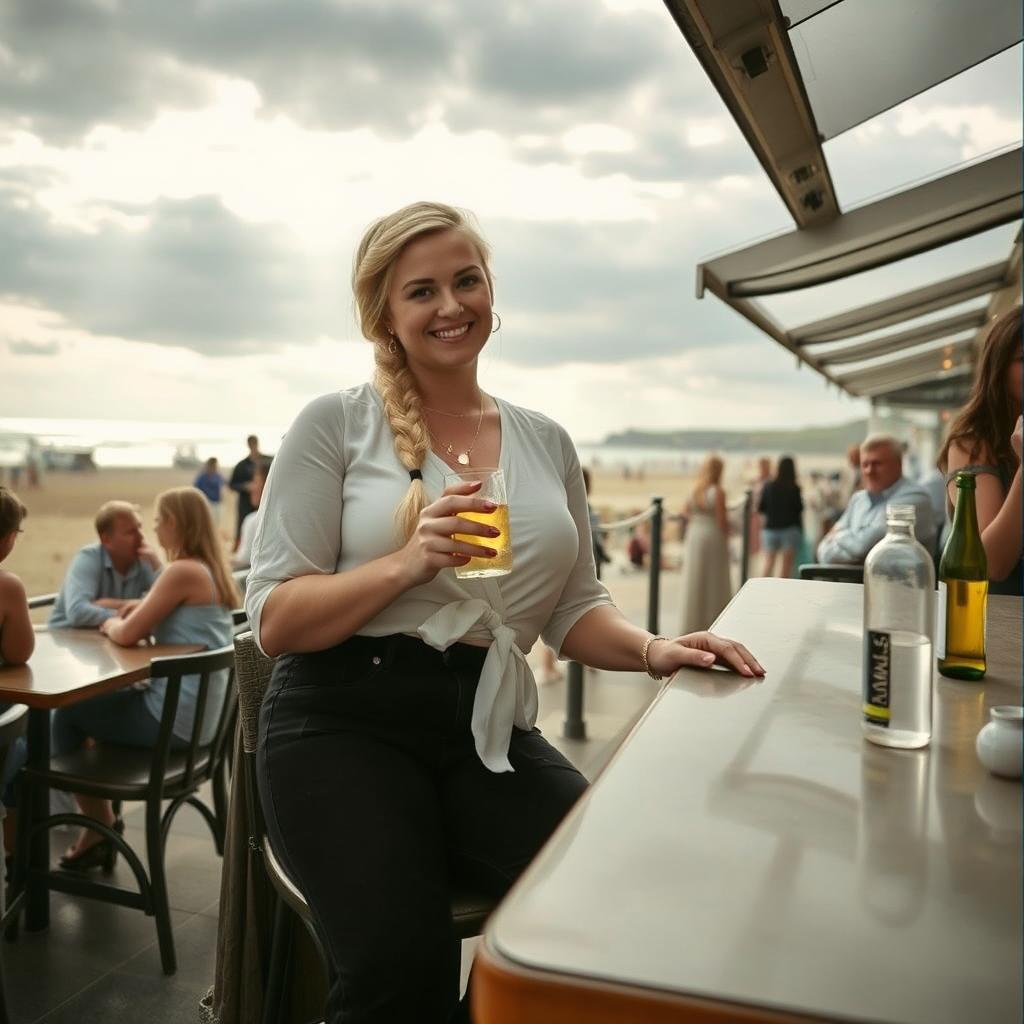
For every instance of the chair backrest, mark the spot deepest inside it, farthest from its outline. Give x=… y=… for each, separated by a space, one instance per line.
x=832 y=573
x=252 y=673
x=42 y=601
x=13 y=723
x=173 y=670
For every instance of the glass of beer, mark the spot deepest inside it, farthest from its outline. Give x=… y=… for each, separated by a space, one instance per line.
x=492 y=488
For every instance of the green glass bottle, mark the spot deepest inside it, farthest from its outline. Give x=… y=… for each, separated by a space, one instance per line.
x=963 y=591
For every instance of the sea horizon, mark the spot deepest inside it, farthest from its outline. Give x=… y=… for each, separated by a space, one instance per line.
x=145 y=444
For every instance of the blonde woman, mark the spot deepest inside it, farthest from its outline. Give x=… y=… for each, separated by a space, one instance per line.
x=706 y=583
x=190 y=603
x=397 y=738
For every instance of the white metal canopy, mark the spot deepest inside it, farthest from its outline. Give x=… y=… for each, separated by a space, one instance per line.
x=776 y=64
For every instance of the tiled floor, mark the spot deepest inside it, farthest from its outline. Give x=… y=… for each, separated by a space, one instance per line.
x=98 y=962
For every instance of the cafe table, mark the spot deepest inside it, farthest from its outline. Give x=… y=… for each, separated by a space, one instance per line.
x=747 y=856
x=67 y=666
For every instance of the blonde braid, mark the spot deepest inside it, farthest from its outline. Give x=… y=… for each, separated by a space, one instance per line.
x=372 y=268
x=397 y=389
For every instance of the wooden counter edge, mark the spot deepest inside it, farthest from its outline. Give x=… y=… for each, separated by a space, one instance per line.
x=505 y=992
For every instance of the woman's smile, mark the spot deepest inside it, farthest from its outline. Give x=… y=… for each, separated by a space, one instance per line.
x=452 y=333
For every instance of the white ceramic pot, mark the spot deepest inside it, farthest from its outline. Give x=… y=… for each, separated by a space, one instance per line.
x=1000 y=744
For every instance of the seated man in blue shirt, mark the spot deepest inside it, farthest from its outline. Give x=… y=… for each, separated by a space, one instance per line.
x=105 y=576
x=862 y=525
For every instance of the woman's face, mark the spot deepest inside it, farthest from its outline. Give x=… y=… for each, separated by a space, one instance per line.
x=439 y=304
x=163 y=527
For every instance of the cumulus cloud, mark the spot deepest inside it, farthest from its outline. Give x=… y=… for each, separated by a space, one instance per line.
x=33 y=348
x=194 y=275
x=71 y=64
x=194 y=175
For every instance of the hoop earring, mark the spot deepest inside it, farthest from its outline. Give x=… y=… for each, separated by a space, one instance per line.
x=494 y=330
x=392 y=346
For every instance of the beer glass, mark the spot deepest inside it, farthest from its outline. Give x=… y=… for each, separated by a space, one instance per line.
x=492 y=488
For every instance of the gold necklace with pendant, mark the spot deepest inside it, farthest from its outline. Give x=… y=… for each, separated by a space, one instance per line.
x=462 y=458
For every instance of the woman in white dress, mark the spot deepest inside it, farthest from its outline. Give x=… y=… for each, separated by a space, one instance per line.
x=707 y=587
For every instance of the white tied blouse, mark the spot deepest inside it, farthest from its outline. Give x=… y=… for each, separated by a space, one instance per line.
x=329 y=506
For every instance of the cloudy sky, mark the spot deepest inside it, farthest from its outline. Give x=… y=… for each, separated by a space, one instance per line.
x=182 y=186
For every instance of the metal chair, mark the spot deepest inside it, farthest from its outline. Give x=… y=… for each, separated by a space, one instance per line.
x=832 y=573
x=153 y=775
x=253 y=670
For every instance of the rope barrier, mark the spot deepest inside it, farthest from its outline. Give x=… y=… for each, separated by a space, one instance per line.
x=624 y=524
x=648 y=513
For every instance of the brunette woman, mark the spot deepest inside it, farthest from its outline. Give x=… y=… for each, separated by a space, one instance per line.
x=985 y=439
x=782 y=506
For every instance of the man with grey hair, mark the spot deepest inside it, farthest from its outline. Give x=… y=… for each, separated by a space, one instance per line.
x=105 y=576
x=862 y=524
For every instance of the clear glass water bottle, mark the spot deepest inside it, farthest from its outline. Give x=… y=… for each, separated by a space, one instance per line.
x=899 y=623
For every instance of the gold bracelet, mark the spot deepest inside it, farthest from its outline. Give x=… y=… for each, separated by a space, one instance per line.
x=643 y=654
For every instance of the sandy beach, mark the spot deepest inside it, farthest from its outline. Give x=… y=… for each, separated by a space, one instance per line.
x=62 y=509
x=61 y=513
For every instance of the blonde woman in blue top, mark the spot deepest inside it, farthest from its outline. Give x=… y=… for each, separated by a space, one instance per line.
x=190 y=602
x=397 y=739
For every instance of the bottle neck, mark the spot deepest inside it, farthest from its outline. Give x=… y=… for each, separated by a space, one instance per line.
x=965 y=515
x=899 y=529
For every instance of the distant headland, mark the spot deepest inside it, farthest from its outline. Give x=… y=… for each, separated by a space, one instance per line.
x=802 y=441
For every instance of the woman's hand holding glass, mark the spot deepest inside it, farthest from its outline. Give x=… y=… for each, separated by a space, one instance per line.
x=432 y=548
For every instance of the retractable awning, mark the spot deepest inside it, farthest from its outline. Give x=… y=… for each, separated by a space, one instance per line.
x=794 y=73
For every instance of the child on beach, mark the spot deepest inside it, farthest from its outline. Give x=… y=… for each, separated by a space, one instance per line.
x=17 y=641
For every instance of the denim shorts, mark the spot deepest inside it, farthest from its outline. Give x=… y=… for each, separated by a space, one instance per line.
x=788 y=538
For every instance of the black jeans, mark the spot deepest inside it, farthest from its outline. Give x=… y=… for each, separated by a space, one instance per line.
x=374 y=796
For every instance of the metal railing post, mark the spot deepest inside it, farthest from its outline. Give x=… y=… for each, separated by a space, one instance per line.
x=574 y=728
x=655 y=576
x=748 y=511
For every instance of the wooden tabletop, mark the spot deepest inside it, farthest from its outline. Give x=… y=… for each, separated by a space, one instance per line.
x=747 y=855
x=69 y=665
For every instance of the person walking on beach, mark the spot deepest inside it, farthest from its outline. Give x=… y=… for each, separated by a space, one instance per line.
x=397 y=738
x=190 y=603
x=707 y=587
x=104 y=576
x=241 y=483
x=782 y=508
x=211 y=483
x=764 y=474
x=242 y=557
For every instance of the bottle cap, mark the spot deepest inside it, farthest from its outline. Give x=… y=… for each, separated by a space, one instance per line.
x=965 y=480
x=901 y=514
